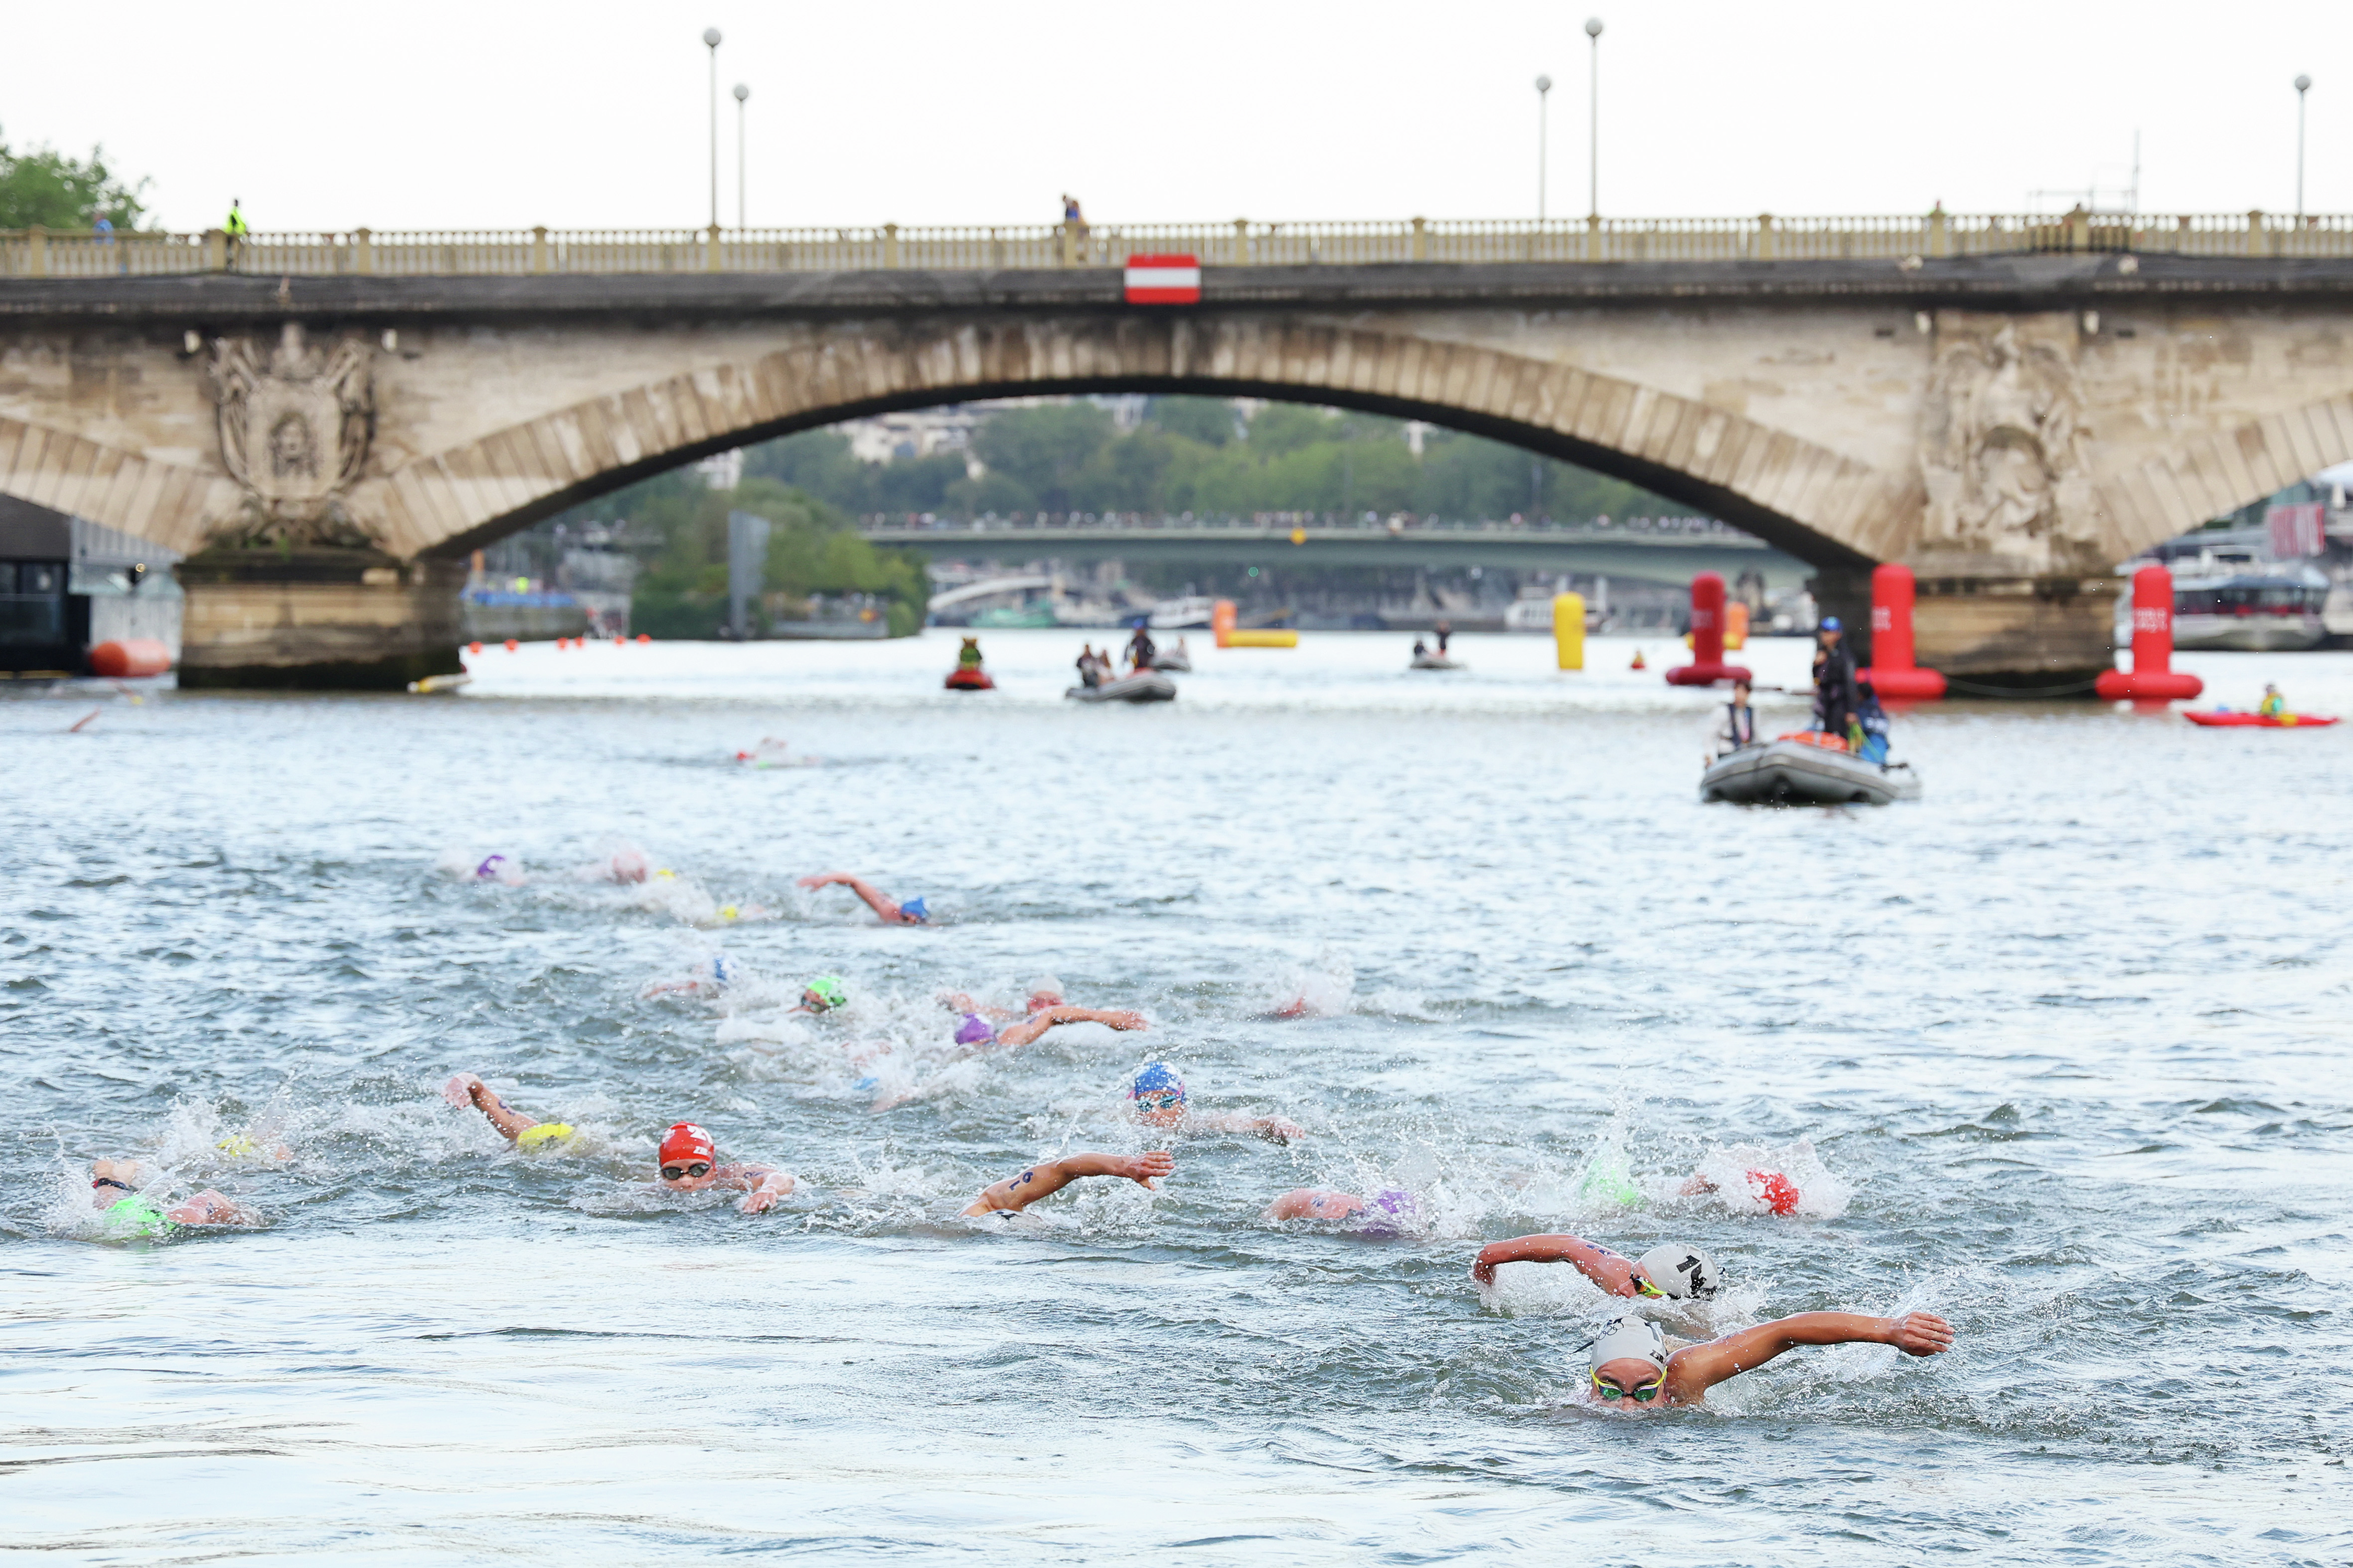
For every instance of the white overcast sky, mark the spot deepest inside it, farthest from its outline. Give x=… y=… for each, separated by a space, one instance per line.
x=502 y=113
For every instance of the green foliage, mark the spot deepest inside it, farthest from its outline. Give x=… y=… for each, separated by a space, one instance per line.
x=1185 y=456
x=682 y=591
x=44 y=188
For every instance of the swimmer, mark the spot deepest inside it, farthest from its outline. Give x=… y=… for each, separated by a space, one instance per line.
x=498 y=868
x=1015 y=1194
x=1630 y=1368
x=624 y=865
x=976 y=1035
x=468 y=1088
x=1771 y=1188
x=709 y=977
x=114 y=1188
x=821 y=995
x=1683 y=1273
x=688 y=1163
x=1044 y=992
x=911 y=913
x=1389 y=1212
x=1159 y=1098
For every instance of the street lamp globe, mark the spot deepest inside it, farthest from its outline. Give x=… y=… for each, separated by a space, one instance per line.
x=1544 y=84
x=1593 y=26
x=742 y=92
x=2303 y=84
x=710 y=37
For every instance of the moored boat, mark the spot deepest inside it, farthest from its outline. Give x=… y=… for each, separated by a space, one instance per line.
x=1793 y=771
x=1144 y=685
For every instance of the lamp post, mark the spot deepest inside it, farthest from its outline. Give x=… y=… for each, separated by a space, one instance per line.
x=742 y=92
x=711 y=38
x=2303 y=85
x=1593 y=132
x=1544 y=98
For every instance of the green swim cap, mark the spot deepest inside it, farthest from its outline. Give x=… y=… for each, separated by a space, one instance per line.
x=545 y=1135
x=138 y=1216
x=1606 y=1180
x=829 y=990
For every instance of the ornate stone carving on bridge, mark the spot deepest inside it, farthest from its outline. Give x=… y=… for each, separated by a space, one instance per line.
x=2002 y=442
x=294 y=435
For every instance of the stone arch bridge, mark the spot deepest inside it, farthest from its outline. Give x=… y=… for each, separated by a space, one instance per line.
x=329 y=449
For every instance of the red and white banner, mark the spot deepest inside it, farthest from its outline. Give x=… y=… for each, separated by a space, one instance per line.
x=2297 y=530
x=1163 y=280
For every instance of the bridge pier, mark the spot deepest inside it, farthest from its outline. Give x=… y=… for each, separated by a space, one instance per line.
x=318 y=620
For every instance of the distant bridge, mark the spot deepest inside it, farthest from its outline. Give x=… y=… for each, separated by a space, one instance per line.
x=1582 y=549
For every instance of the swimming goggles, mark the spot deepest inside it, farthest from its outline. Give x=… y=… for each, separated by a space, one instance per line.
x=1644 y=1288
x=1645 y=1392
x=697 y=1170
x=111 y=1182
x=1161 y=1100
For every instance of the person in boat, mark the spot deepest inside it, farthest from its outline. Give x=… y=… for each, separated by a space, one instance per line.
x=1445 y=634
x=687 y=1162
x=1631 y=1366
x=1735 y=727
x=1090 y=668
x=1674 y=1271
x=1834 y=694
x=969 y=656
x=1016 y=1193
x=1867 y=730
x=911 y=913
x=1420 y=649
x=1141 y=650
x=116 y=1190
x=2274 y=704
x=1158 y=1097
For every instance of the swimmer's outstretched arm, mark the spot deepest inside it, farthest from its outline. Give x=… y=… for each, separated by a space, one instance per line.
x=764 y=1185
x=1273 y=1129
x=875 y=897
x=1013 y=1035
x=466 y=1089
x=1612 y=1271
x=1043 y=1180
x=1695 y=1369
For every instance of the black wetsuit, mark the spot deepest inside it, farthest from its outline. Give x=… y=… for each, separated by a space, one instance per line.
x=1834 y=690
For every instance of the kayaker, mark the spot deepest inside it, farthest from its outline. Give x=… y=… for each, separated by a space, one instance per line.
x=115 y=1188
x=2274 y=704
x=1685 y=1273
x=1140 y=648
x=1735 y=727
x=1011 y=1195
x=1834 y=680
x=911 y=913
x=969 y=656
x=1159 y=1098
x=1629 y=1367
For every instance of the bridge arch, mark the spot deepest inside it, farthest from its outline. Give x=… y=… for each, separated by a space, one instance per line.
x=1816 y=504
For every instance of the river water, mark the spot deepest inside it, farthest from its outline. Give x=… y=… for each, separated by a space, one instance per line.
x=2057 y=1052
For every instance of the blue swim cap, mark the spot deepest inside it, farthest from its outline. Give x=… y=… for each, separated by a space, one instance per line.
x=1832 y=624
x=974 y=1030
x=1154 y=1076
x=913 y=909
x=719 y=973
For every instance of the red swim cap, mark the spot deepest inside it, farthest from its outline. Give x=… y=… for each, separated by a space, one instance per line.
x=1775 y=1190
x=688 y=1142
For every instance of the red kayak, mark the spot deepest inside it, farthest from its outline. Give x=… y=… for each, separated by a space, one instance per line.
x=2221 y=718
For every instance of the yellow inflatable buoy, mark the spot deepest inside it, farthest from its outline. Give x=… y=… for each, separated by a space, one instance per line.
x=1569 y=629
x=1261 y=639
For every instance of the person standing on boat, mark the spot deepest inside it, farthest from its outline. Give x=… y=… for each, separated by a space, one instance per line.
x=1140 y=648
x=1090 y=672
x=1834 y=681
x=1735 y=727
x=1445 y=631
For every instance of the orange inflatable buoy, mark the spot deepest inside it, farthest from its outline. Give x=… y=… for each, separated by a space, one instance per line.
x=513 y=645
x=130 y=658
x=643 y=637
x=473 y=647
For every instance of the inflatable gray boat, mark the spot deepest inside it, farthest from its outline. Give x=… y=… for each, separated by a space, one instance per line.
x=1795 y=772
x=1144 y=685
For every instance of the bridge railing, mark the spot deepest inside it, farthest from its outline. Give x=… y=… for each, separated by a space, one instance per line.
x=56 y=253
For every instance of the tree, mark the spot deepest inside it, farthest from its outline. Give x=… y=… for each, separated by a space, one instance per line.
x=1044 y=450
x=44 y=189
x=1209 y=420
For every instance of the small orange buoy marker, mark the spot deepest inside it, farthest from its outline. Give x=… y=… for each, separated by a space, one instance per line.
x=2152 y=677
x=618 y=642
x=645 y=636
x=473 y=647
x=1640 y=662
x=1892 y=672
x=513 y=645
x=1708 y=666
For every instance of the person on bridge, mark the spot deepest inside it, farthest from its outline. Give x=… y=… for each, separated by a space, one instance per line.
x=1140 y=650
x=1833 y=680
x=687 y=1161
x=1674 y=1271
x=1631 y=1366
x=1011 y=1195
x=911 y=913
x=1735 y=727
x=1159 y=1096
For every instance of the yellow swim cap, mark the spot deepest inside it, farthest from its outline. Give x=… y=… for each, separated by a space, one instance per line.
x=237 y=1146
x=665 y=873
x=726 y=912
x=545 y=1135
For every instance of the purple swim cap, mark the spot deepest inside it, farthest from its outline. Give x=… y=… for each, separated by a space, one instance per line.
x=483 y=870
x=974 y=1030
x=1391 y=1210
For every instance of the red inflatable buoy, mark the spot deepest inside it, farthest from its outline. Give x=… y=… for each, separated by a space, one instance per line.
x=1708 y=666
x=130 y=658
x=2152 y=677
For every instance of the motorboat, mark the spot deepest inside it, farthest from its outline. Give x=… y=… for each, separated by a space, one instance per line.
x=1142 y=686
x=2224 y=718
x=1189 y=613
x=2231 y=601
x=1172 y=658
x=1436 y=661
x=1792 y=771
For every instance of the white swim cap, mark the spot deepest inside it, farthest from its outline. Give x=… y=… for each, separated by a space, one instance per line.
x=1630 y=1338
x=1681 y=1271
